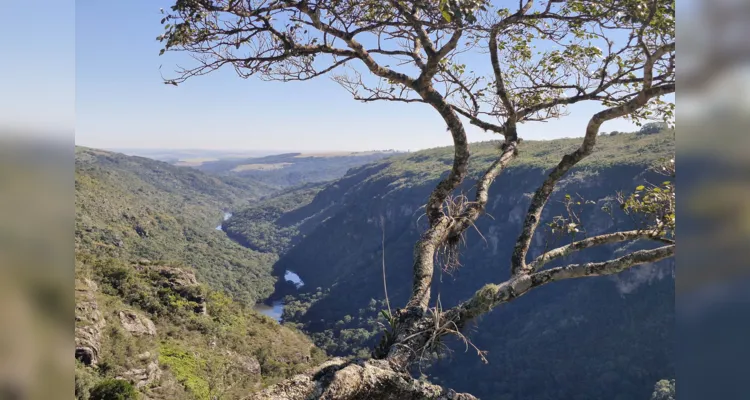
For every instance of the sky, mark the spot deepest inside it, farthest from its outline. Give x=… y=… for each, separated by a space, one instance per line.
x=121 y=101
x=37 y=79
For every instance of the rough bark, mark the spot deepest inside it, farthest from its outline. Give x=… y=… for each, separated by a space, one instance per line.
x=409 y=333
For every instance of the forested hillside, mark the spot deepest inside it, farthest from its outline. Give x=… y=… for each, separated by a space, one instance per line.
x=608 y=337
x=131 y=208
x=163 y=299
x=261 y=226
x=293 y=169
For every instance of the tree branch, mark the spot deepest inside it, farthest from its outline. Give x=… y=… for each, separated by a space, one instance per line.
x=490 y=296
x=541 y=196
x=599 y=240
x=502 y=92
x=472 y=213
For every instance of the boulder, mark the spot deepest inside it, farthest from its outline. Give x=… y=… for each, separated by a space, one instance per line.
x=142 y=377
x=249 y=364
x=137 y=324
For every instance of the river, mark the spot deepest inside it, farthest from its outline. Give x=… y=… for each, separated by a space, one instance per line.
x=226 y=217
x=276 y=308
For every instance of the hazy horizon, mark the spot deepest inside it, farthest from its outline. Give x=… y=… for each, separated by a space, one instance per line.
x=275 y=151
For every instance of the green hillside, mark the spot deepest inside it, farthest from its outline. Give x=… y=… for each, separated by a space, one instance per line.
x=163 y=298
x=133 y=208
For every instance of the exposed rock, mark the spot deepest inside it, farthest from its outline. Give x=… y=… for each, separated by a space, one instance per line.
x=89 y=323
x=249 y=364
x=142 y=377
x=177 y=277
x=137 y=324
x=185 y=284
x=357 y=380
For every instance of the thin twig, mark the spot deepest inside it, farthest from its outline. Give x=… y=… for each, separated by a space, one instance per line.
x=382 y=244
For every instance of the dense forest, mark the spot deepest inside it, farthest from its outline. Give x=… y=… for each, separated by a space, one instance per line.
x=260 y=226
x=163 y=299
x=602 y=338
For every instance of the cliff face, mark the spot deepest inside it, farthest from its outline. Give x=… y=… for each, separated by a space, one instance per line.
x=594 y=338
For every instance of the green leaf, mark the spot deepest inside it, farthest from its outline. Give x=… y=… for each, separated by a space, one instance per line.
x=446 y=15
x=639 y=188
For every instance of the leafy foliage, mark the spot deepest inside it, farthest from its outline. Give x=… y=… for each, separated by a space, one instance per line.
x=113 y=389
x=653 y=206
x=664 y=390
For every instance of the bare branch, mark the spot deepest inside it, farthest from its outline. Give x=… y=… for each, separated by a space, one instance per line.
x=490 y=296
x=541 y=196
x=599 y=240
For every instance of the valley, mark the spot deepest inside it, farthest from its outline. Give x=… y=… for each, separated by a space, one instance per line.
x=275 y=309
x=164 y=299
x=312 y=257
x=332 y=239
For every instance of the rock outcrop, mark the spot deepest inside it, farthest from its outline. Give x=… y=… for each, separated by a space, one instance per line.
x=89 y=323
x=137 y=324
x=249 y=364
x=143 y=377
x=357 y=380
x=183 y=283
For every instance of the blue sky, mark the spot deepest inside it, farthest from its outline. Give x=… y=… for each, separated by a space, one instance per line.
x=37 y=84
x=121 y=101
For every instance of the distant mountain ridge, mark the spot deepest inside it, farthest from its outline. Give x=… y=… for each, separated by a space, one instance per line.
x=293 y=169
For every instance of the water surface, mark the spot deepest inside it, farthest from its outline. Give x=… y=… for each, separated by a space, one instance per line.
x=226 y=217
x=276 y=309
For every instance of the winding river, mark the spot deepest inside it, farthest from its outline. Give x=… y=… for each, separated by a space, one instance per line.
x=276 y=308
x=226 y=217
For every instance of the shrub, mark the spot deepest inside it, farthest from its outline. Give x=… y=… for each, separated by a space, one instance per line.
x=85 y=380
x=113 y=389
